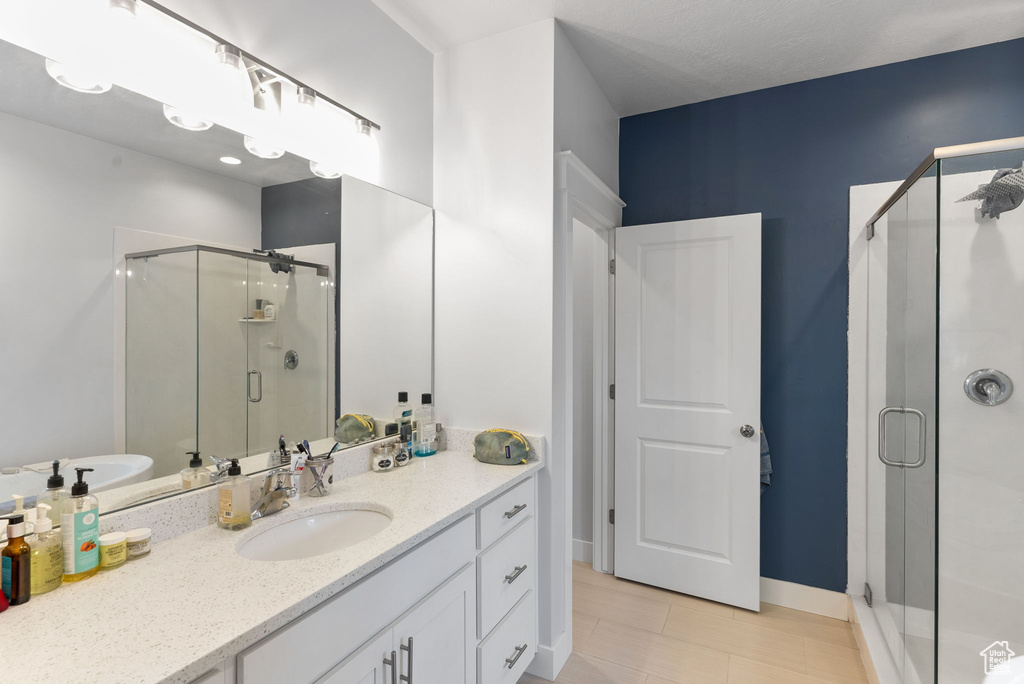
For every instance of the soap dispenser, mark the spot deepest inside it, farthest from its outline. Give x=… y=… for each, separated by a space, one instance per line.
x=234 y=512
x=195 y=475
x=16 y=563
x=47 y=555
x=80 y=531
x=54 y=494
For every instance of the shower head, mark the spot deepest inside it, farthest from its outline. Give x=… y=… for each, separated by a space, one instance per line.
x=1004 y=193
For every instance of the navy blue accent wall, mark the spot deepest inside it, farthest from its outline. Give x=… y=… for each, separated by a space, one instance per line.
x=792 y=154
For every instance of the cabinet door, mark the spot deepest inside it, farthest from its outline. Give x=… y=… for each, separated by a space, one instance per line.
x=367 y=665
x=436 y=639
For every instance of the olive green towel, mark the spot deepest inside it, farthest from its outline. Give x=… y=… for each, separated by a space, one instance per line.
x=501 y=447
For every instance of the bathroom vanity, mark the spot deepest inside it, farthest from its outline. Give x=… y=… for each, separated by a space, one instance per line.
x=445 y=593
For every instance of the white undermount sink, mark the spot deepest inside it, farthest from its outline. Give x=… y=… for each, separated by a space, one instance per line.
x=314 y=535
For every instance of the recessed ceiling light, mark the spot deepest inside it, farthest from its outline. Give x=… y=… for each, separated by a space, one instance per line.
x=233 y=161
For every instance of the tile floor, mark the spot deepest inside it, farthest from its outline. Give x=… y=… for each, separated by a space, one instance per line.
x=628 y=633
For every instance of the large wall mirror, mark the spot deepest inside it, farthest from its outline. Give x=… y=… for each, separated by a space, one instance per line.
x=176 y=284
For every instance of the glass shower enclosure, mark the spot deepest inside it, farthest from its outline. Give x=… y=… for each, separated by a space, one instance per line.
x=945 y=526
x=224 y=352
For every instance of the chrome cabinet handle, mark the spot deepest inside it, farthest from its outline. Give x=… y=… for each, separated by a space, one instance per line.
x=520 y=569
x=922 y=437
x=259 y=386
x=393 y=664
x=520 y=650
x=515 y=511
x=407 y=649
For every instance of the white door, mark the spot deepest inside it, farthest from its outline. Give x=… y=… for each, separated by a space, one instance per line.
x=372 y=664
x=435 y=641
x=687 y=394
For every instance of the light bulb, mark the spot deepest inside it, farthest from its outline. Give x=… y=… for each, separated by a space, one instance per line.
x=186 y=120
x=76 y=79
x=123 y=9
x=325 y=169
x=231 y=76
x=261 y=148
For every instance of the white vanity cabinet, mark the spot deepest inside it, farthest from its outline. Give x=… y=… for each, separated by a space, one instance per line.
x=460 y=608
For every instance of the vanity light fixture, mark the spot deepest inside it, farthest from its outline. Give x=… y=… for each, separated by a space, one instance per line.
x=76 y=79
x=231 y=161
x=306 y=97
x=183 y=119
x=325 y=170
x=124 y=9
x=261 y=148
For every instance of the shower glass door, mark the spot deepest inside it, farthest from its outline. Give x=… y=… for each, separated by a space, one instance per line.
x=903 y=397
x=287 y=380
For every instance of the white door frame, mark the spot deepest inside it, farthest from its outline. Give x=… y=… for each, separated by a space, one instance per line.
x=583 y=196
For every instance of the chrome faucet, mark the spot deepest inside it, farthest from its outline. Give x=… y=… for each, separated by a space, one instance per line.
x=277 y=489
x=222 y=465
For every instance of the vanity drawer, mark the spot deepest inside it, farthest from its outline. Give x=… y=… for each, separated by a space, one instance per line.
x=505 y=572
x=503 y=657
x=505 y=512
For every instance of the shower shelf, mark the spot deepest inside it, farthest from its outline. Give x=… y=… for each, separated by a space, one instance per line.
x=257 y=320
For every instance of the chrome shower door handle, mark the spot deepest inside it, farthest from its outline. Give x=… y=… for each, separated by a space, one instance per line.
x=259 y=386
x=921 y=442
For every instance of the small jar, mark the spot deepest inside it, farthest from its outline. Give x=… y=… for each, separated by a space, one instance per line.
x=113 y=550
x=138 y=542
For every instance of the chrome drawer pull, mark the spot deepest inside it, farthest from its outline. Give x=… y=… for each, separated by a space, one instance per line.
x=515 y=511
x=520 y=569
x=407 y=680
x=520 y=650
x=393 y=664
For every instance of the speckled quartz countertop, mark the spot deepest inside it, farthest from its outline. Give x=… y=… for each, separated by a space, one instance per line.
x=194 y=602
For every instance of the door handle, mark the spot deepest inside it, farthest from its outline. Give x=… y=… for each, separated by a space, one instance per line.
x=259 y=386
x=393 y=664
x=921 y=441
x=747 y=431
x=408 y=649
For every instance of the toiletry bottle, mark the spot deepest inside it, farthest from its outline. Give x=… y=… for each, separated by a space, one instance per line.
x=269 y=311
x=195 y=475
x=47 y=555
x=16 y=559
x=426 y=428
x=80 y=531
x=403 y=416
x=54 y=494
x=234 y=512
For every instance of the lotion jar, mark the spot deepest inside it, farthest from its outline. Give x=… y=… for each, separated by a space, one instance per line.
x=113 y=550
x=138 y=542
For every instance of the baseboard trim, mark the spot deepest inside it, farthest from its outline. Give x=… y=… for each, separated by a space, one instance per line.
x=831 y=604
x=550 y=660
x=582 y=551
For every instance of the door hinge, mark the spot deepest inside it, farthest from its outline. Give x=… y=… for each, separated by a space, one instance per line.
x=611 y=392
x=611 y=516
x=611 y=266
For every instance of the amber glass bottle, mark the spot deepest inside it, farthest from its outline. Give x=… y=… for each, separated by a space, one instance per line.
x=16 y=563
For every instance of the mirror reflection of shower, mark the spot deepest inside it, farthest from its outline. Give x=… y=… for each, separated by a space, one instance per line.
x=212 y=342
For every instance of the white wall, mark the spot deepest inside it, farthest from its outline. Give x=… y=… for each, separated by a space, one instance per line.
x=584 y=250
x=62 y=196
x=494 y=202
x=585 y=121
x=353 y=53
x=503 y=106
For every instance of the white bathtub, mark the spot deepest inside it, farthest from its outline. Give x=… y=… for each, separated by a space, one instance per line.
x=109 y=472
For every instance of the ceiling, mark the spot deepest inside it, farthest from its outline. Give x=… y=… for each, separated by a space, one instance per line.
x=652 y=54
